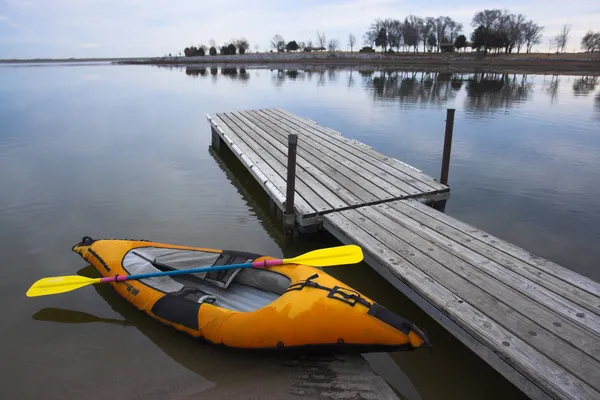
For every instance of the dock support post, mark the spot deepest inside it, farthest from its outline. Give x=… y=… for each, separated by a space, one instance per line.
x=289 y=216
x=216 y=139
x=441 y=205
x=447 y=146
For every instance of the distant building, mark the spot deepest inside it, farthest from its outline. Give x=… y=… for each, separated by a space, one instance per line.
x=447 y=47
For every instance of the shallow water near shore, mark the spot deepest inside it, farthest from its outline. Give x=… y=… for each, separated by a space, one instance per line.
x=123 y=152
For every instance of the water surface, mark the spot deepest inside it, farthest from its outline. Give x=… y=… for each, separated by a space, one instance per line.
x=123 y=152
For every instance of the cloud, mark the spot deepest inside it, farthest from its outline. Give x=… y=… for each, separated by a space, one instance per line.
x=155 y=27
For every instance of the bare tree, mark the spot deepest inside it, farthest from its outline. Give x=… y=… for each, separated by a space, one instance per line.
x=321 y=39
x=486 y=18
x=410 y=31
x=515 y=32
x=309 y=43
x=351 y=41
x=591 y=42
x=301 y=45
x=532 y=35
x=278 y=43
x=426 y=30
x=562 y=38
x=394 y=32
x=212 y=43
x=333 y=44
x=242 y=45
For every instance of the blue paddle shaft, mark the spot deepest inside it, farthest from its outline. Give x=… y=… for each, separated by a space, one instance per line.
x=183 y=271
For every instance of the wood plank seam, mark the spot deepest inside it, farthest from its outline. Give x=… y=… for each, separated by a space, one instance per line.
x=384 y=179
x=423 y=182
x=370 y=181
x=260 y=176
x=562 y=273
x=478 y=347
x=562 y=384
x=303 y=176
x=518 y=316
x=580 y=297
x=372 y=154
x=410 y=186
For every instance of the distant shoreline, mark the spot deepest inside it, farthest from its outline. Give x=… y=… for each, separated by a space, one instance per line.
x=573 y=63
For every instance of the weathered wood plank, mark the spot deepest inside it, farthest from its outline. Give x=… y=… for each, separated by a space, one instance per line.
x=479 y=347
x=520 y=295
x=479 y=252
x=260 y=168
x=412 y=175
x=354 y=166
x=562 y=273
x=365 y=190
x=336 y=195
x=463 y=310
x=507 y=307
x=306 y=187
x=350 y=147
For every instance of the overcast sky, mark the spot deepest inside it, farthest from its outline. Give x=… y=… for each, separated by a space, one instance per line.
x=130 y=28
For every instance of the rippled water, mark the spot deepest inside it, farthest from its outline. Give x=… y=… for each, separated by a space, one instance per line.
x=123 y=151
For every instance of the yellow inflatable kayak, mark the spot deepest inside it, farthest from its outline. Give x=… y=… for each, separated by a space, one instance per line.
x=284 y=306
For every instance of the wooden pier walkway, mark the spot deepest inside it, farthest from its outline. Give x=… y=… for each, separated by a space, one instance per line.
x=535 y=322
x=333 y=173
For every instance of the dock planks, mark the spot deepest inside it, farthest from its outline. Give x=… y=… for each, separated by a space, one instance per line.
x=332 y=172
x=535 y=322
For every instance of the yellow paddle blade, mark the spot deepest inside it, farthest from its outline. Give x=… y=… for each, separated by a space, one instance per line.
x=341 y=255
x=59 y=284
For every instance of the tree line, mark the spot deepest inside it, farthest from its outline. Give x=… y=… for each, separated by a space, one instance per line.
x=411 y=32
x=495 y=29
x=279 y=44
x=500 y=30
x=235 y=45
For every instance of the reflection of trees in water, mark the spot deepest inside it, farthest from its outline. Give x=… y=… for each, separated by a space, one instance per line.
x=585 y=85
x=493 y=91
x=552 y=89
x=597 y=106
x=292 y=74
x=279 y=77
x=195 y=71
x=232 y=73
x=320 y=78
x=332 y=75
x=351 y=79
x=413 y=87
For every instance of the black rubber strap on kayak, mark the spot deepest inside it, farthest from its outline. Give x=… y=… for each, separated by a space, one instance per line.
x=337 y=292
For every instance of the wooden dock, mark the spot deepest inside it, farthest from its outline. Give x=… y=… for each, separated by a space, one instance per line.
x=535 y=322
x=333 y=173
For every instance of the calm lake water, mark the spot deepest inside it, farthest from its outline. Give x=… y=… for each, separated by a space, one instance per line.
x=123 y=152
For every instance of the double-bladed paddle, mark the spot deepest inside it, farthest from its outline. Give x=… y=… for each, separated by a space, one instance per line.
x=340 y=255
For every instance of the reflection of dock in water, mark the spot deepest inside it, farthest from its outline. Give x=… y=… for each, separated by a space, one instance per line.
x=535 y=322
